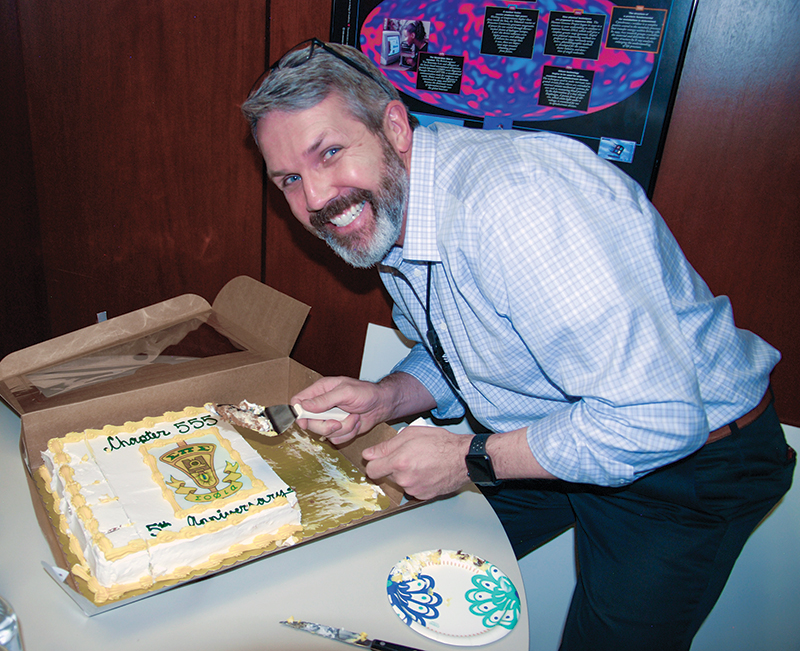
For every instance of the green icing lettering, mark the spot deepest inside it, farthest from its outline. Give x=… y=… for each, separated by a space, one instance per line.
x=242 y=508
x=118 y=443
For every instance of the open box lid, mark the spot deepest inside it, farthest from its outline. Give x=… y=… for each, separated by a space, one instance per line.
x=179 y=338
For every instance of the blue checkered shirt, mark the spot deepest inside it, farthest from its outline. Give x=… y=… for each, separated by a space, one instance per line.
x=564 y=305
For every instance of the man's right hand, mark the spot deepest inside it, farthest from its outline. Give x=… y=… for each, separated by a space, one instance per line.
x=369 y=403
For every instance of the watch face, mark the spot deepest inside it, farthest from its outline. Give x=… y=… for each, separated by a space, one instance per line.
x=479 y=470
x=479 y=463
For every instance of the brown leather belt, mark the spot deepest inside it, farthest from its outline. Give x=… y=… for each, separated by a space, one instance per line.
x=744 y=421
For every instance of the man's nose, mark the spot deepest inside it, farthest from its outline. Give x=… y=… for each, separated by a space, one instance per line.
x=318 y=192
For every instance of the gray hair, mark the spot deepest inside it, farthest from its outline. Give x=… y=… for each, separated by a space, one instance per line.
x=297 y=83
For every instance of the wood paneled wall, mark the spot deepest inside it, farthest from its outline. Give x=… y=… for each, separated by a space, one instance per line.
x=146 y=181
x=24 y=318
x=729 y=184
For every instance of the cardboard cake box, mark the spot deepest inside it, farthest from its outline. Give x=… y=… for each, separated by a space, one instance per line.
x=178 y=353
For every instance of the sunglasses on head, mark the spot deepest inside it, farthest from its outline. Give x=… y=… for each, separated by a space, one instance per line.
x=313 y=45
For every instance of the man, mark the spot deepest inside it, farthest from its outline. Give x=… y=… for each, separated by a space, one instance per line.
x=549 y=298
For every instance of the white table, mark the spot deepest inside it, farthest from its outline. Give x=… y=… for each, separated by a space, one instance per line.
x=339 y=581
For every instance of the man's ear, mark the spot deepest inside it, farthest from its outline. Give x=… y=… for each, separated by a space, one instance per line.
x=397 y=128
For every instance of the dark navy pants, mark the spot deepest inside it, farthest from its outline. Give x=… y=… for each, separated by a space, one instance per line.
x=653 y=557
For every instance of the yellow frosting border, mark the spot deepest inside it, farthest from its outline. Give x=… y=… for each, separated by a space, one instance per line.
x=236 y=554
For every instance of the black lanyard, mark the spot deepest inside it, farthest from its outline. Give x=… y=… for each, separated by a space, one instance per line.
x=433 y=339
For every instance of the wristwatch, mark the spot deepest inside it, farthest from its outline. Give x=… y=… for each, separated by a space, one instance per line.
x=479 y=463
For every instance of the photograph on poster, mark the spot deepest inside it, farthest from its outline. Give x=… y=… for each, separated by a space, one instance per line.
x=603 y=72
x=402 y=40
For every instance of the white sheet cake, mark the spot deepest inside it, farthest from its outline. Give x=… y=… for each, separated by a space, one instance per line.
x=163 y=499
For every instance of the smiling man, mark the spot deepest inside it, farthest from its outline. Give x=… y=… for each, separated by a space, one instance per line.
x=324 y=161
x=549 y=299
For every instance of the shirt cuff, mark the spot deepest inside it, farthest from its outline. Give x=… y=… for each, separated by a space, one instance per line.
x=548 y=437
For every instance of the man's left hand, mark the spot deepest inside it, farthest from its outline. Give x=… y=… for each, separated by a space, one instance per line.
x=425 y=462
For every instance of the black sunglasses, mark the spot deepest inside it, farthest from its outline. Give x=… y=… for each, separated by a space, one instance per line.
x=314 y=45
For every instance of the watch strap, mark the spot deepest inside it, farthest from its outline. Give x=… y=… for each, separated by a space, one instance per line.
x=478 y=444
x=479 y=463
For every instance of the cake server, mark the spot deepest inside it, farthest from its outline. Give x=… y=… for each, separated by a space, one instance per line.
x=269 y=420
x=343 y=635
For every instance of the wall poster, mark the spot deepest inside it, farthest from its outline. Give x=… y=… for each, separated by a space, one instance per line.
x=599 y=71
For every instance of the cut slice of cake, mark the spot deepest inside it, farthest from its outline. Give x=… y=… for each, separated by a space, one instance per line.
x=246 y=414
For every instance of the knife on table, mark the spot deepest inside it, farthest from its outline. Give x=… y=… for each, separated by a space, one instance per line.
x=270 y=421
x=343 y=635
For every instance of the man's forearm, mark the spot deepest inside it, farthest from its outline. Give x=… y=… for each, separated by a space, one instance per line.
x=404 y=395
x=512 y=457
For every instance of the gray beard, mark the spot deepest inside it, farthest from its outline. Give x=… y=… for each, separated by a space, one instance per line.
x=368 y=247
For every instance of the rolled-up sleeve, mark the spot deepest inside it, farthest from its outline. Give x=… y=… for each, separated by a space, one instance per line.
x=592 y=442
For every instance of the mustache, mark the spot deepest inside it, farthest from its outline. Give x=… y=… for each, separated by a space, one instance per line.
x=337 y=206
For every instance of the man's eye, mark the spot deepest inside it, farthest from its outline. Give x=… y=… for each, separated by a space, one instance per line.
x=330 y=153
x=288 y=180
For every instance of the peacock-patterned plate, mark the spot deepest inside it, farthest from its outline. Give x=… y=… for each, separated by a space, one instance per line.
x=453 y=597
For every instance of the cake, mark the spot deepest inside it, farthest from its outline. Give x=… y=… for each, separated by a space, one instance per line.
x=163 y=499
x=245 y=414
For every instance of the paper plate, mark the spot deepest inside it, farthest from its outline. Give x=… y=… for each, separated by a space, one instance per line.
x=453 y=597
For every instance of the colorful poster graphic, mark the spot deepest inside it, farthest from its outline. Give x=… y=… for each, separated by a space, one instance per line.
x=596 y=70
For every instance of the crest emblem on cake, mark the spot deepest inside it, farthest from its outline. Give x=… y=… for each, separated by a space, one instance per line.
x=197 y=461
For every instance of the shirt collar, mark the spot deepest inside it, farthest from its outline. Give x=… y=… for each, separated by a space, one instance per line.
x=419 y=242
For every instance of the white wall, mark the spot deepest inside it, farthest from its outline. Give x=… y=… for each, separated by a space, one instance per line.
x=759 y=610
